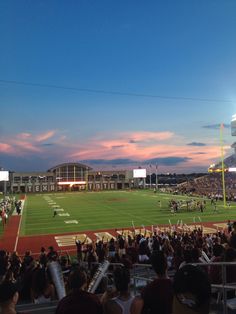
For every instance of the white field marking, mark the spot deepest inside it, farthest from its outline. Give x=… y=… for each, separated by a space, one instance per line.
x=69 y=236
x=205 y=229
x=137 y=231
x=54 y=206
x=19 y=226
x=220 y=225
x=64 y=214
x=58 y=209
x=209 y=230
x=69 y=240
x=71 y=221
x=104 y=235
x=60 y=197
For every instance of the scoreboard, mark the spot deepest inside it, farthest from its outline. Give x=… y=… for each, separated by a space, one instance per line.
x=233 y=125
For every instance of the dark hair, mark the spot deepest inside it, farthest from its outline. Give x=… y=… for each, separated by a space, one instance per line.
x=7 y=291
x=218 y=250
x=159 y=262
x=192 y=279
x=77 y=278
x=121 y=278
x=230 y=254
x=39 y=281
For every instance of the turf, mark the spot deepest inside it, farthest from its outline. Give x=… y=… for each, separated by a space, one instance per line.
x=110 y=209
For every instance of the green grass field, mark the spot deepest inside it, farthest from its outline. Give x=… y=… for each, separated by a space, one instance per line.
x=106 y=210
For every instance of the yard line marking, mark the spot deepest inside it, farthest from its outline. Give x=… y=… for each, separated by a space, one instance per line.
x=142 y=231
x=19 y=226
x=69 y=240
x=104 y=235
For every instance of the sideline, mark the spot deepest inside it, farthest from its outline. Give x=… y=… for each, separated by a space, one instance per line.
x=19 y=225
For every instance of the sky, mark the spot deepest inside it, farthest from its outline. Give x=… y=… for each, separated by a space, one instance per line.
x=116 y=84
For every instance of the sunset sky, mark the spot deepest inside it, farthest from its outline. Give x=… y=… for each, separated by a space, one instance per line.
x=116 y=84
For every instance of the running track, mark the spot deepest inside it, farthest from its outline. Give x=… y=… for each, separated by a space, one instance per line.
x=12 y=241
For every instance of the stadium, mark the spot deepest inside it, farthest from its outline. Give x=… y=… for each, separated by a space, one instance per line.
x=117 y=157
x=72 y=209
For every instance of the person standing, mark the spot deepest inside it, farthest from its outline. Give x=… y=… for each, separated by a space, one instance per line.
x=79 y=300
x=8 y=297
x=157 y=296
x=123 y=303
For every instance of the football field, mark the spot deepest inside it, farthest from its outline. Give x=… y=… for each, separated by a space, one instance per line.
x=87 y=211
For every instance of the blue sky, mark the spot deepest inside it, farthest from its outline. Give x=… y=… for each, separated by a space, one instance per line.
x=116 y=54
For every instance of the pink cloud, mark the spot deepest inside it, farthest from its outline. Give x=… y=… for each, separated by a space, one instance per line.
x=45 y=136
x=24 y=136
x=23 y=146
x=137 y=151
x=138 y=146
x=23 y=143
x=5 y=148
x=149 y=136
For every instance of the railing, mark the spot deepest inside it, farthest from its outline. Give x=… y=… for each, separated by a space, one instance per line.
x=145 y=274
x=224 y=286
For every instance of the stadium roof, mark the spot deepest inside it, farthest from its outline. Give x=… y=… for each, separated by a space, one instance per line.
x=70 y=164
x=229 y=162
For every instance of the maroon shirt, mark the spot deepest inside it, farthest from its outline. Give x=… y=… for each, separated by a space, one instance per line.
x=158 y=296
x=79 y=302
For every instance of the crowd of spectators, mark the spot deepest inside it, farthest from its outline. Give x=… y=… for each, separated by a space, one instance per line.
x=210 y=185
x=28 y=278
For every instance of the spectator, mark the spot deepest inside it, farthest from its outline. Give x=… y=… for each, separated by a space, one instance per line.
x=52 y=254
x=232 y=239
x=4 y=263
x=123 y=303
x=42 y=291
x=8 y=297
x=215 y=272
x=78 y=300
x=158 y=295
x=43 y=257
x=192 y=291
x=27 y=260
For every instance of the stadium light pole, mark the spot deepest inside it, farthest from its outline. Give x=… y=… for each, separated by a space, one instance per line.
x=156 y=178
x=222 y=163
x=150 y=177
x=86 y=179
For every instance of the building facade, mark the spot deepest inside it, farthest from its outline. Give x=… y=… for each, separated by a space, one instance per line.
x=69 y=177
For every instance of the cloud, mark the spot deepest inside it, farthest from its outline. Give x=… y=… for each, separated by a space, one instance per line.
x=216 y=126
x=118 y=146
x=199 y=153
x=168 y=161
x=27 y=163
x=196 y=144
x=126 y=149
x=47 y=144
x=26 y=143
x=144 y=136
x=118 y=161
x=45 y=136
x=24 y=136
x=5 y=148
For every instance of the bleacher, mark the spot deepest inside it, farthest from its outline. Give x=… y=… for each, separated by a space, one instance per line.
x=141 y=274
